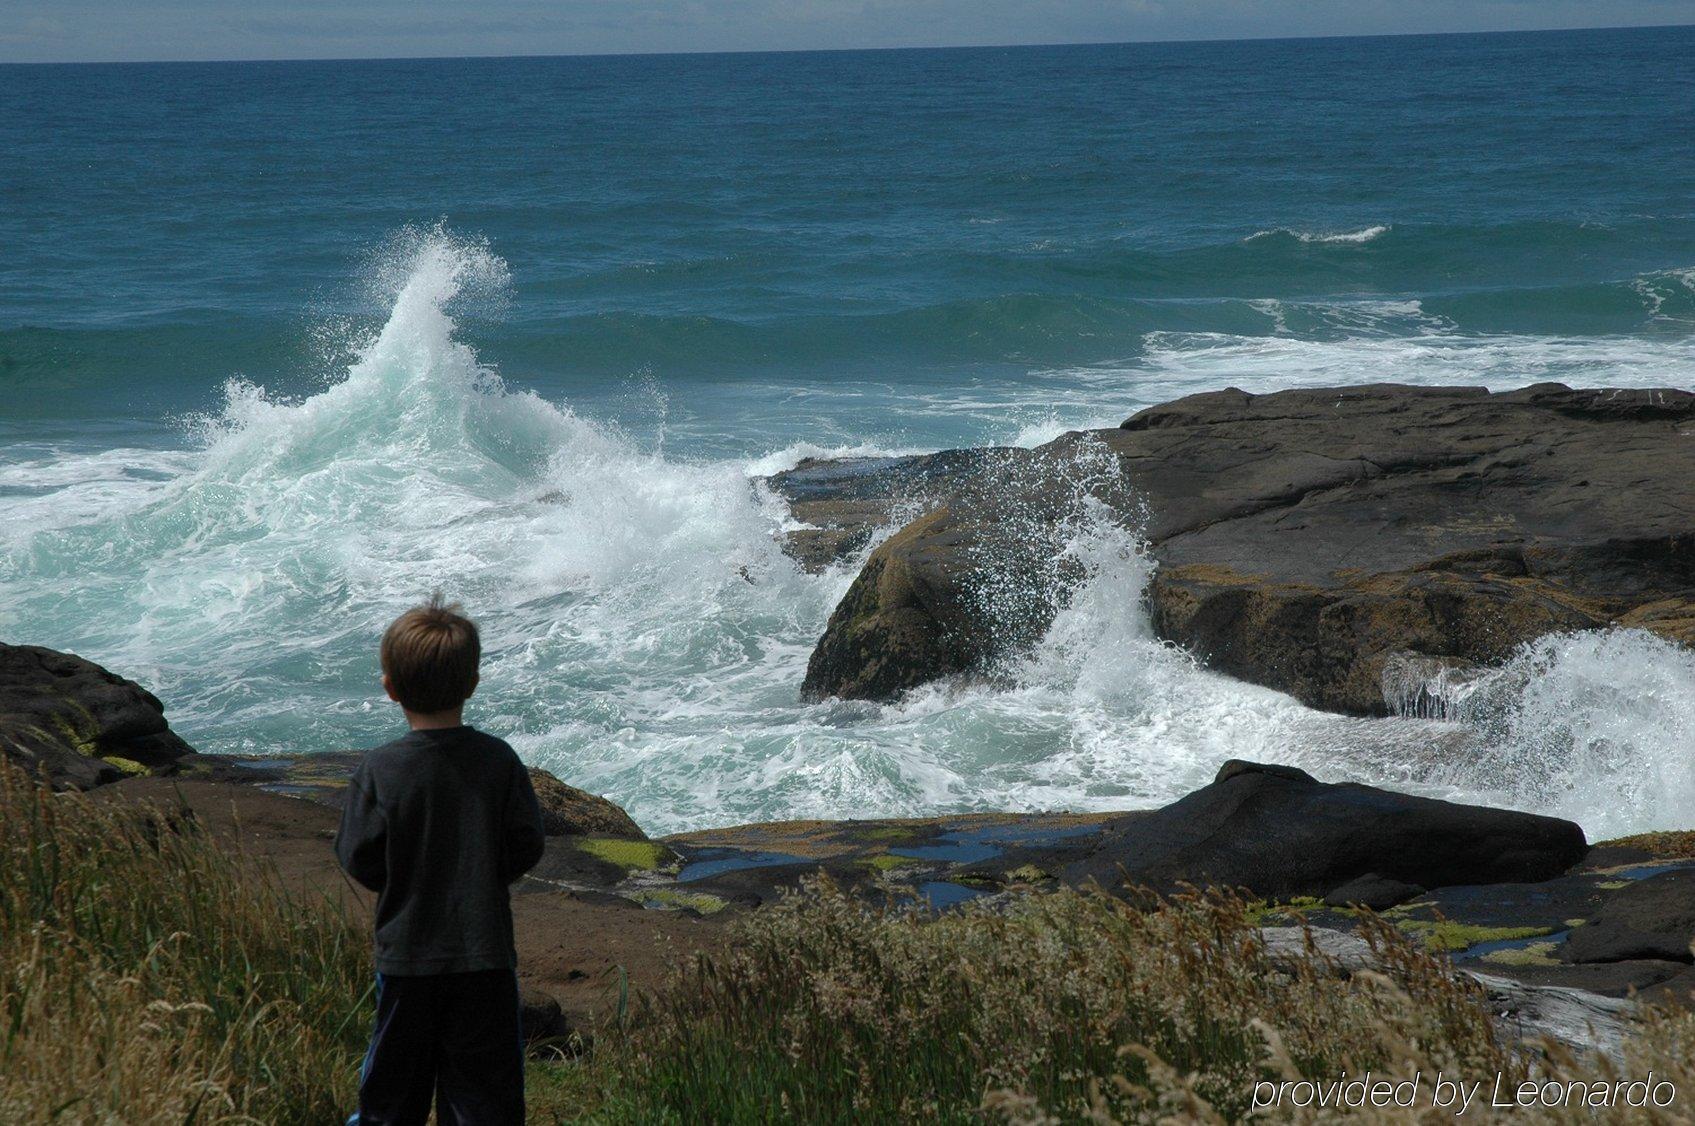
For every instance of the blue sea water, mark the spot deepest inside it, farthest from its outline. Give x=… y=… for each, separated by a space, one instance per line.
x=285 y=345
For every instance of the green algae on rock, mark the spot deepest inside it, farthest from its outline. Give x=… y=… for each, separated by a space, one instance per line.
x=631 y=856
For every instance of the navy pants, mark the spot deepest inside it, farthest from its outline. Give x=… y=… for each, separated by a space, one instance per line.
x=453 y=1039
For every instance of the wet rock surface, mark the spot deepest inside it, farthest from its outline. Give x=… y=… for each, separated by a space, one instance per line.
x=1523 y=1008
x=78 y=723
x=1304 y=538
x=1513 y=928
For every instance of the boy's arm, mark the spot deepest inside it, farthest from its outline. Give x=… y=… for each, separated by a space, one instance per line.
x=524 y=839
x=361 y=844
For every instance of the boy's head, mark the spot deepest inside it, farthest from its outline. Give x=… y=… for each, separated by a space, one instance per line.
x=429 y=658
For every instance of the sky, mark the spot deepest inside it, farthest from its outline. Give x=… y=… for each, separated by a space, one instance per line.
x=143 y=30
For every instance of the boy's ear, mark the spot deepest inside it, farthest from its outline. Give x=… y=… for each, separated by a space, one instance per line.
x=475 y=678
x=388 y=688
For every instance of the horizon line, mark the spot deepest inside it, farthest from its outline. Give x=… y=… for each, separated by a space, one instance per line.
x=850 y=50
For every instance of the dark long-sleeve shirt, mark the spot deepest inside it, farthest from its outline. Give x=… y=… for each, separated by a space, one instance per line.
x=438 y=823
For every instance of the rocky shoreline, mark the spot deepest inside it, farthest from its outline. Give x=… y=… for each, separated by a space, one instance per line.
x=1309 y=541
x=1559 y=931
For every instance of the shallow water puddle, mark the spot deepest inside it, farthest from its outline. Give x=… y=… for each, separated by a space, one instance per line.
x=1644 y=871
x=969 y=846
x=734 y=860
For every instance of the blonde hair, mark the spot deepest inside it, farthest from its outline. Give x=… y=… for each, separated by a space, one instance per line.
x=430 y=655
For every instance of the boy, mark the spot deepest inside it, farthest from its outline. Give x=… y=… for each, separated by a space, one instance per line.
x=438 y=823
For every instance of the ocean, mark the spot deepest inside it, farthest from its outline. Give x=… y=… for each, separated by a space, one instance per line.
x=286 y=346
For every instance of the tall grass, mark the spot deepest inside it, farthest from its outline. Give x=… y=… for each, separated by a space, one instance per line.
x=147 y=975
x=1069 y=1006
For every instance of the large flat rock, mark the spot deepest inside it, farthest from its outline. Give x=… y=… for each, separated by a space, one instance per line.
x=1281 y=834
x=1304 y=539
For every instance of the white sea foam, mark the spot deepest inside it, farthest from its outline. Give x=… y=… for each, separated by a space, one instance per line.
x=1667 y=287
x=792 y=455
x=645 y=637
x=1364 y=234
x=1175 y=364
x=1593 y=726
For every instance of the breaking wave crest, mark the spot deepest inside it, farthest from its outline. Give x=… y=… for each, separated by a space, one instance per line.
x=1594 y=726
x=1364 y=234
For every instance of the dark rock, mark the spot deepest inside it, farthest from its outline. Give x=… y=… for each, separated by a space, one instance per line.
x=77 y=723
x=568 y=811
x=540 y=1016
x=1374 y=892
x=904 y=621
x=1236 y=767
x=1305 y=538
x=1486 y=911
x=976 y=577
x=1674 y=992
x=1652 y=918
x=1279 y=834
x=1607 y=979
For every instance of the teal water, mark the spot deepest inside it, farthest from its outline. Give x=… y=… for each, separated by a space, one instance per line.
x=284 y=346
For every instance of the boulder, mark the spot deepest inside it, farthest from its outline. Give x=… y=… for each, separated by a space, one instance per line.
x=569 y=812
x=1652 y=918
x=1281 y=834
x=1304 y=539
x=77 y=723
x=905 y=621
x=978 y=576
x=540 y=1017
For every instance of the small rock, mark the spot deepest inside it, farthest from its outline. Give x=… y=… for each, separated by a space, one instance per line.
x=540 y=1016
x=568 y=811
